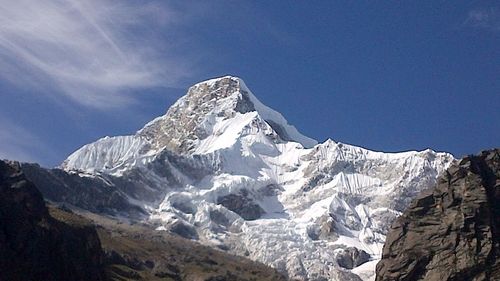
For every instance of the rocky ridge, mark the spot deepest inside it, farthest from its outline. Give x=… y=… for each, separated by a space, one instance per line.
x=450 y=232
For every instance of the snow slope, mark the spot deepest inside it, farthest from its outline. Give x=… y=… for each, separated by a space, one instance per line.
x=242 y=179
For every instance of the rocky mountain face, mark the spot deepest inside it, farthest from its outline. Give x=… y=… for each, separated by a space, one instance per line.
x=36 y=246
x=227 y=171
x=450 y=232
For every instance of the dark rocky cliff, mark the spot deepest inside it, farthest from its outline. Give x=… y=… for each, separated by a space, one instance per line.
x=36 y=246
x=451 y=232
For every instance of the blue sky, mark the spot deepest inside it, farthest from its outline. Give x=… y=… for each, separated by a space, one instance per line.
x=385 y=75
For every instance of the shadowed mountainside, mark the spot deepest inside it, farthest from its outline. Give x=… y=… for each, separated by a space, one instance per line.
x=50 y=243
x=34 y=245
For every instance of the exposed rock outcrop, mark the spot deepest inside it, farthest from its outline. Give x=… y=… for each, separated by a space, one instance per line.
x=352 y=257
x=242 y=205
x=36 y=246
x=451 y=232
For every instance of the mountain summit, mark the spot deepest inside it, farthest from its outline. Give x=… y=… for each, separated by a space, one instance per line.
x=213 y=115
x=223 y=169
x=193 y=119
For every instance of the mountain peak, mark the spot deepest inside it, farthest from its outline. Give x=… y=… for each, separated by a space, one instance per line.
x=219 y=159
x=219 y=88
x=214 y=114
x=220 y=80
x=193 y=117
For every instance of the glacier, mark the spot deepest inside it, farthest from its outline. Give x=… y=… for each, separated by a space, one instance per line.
x=222 y=168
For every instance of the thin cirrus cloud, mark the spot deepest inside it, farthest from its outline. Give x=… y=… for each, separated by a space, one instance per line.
x=92 y=52
x=485 y=18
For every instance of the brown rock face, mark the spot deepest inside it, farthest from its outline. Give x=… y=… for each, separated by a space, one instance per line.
x=451 y=232
x=181 y=125
x=36 y=246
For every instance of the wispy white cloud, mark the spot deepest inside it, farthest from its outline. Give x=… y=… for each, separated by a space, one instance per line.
x=93 y=52
x=484 y=18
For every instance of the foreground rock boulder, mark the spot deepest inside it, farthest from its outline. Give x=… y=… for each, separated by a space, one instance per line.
x=451 y=232
x=352 y=257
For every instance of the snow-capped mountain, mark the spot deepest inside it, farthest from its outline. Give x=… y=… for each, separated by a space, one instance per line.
x=224 y=169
